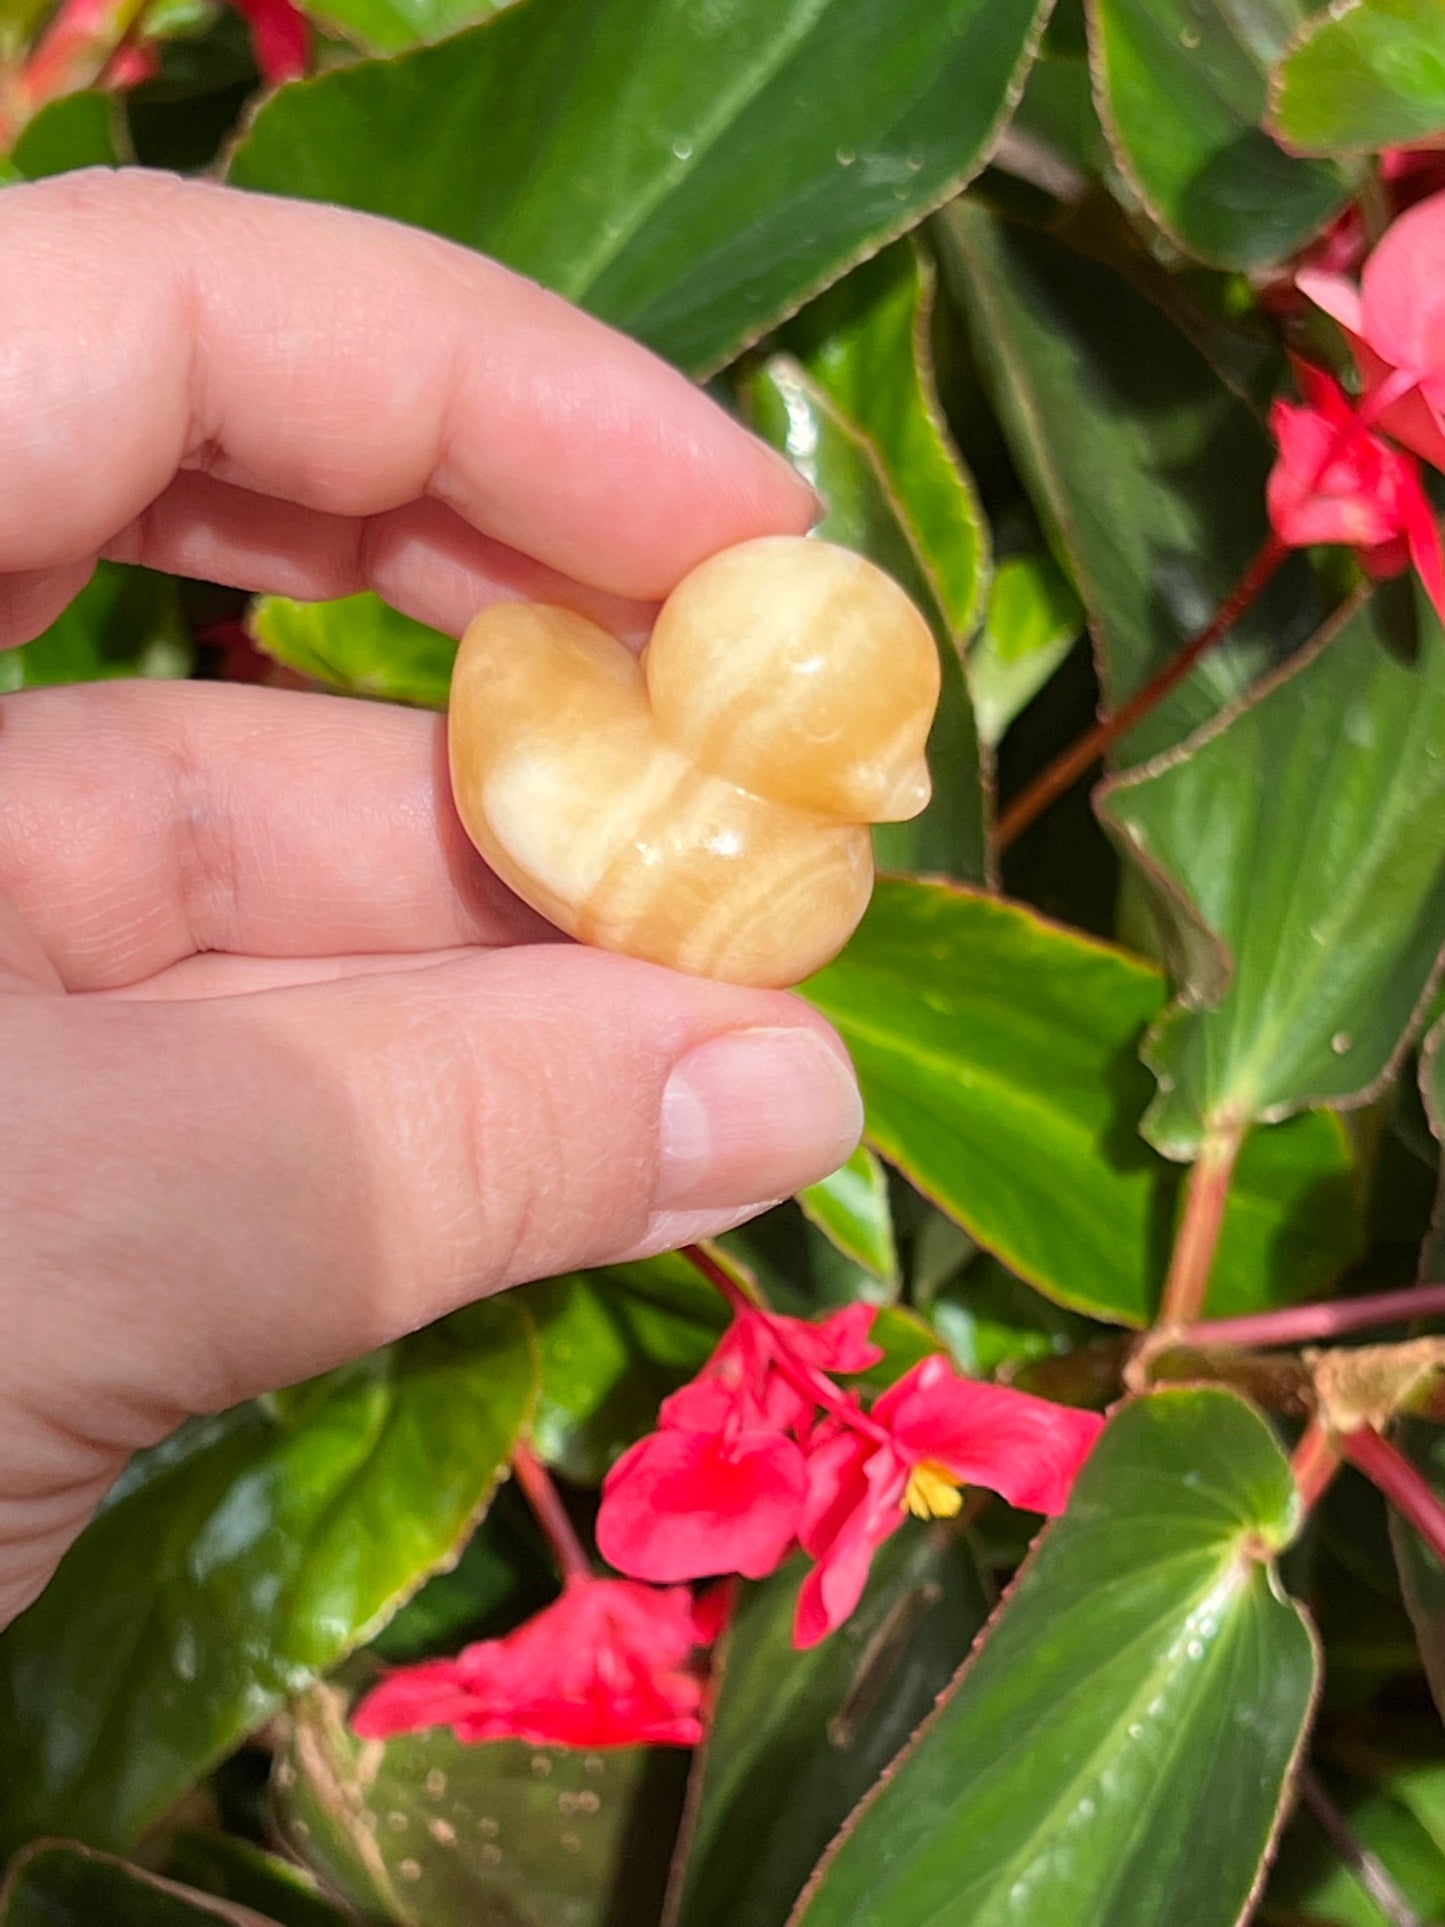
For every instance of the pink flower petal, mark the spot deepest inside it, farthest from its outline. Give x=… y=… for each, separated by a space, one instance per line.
x=685 y=1505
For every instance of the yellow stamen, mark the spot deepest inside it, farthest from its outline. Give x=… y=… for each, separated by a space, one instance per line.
x=932 y=1492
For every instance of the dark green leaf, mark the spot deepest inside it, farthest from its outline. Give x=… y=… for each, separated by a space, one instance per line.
x=867 y=343
x=1422 y=1577
x=789 y=409
x=1307 y=923
x=1033 y=620
x=426 y=1832
x=1155 y=494
x=78 y=130
x=614 y=1343
x=1119 y=1745
x=358 y=644
x=797 y=1739
x=1361 y=75
x=998 y=1057
x=125 y=622
x=235 y=1871
x=1182 y=90
x=851 y=1208
x=992 y=1321
x=689 y=173
x=239 y=1561
x=59 y=1885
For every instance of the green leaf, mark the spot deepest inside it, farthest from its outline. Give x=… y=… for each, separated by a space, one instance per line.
x=1119 y=1746
x=233 y=1870
x=993 y=1322
x=1307 y=923
x=614 y=1343
x=1034 y=618
x=393 y=26
x=1313 y=1881
x=1155 y=494
x=57 y=1884
x=1182 y=87
x=790 y=410
x=1422 y=1577
x=358 y=644
x=867 y=344
x=998 y=1059
x=689 y=173
x=797 y=1739
x=237 y=1562
x=125 y=622
x=1362 y=75
x=78 y=130
x=851 y=1208
x=426 y=1832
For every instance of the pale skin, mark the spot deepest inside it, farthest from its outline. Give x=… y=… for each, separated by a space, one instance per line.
x=284 y=1072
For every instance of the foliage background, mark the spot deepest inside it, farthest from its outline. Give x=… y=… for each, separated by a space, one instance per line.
x=1011 y=286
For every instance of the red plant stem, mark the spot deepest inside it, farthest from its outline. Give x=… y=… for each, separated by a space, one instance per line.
x=551 y=1515
x=1198 y=1235
x=803 y=1378
x=1386 y=1467
x=1067 y=768
x=1315 y=1461
x=1303 y=1324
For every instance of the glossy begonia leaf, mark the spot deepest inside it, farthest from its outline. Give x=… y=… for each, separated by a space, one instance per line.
x=1362 y=75
x=425 y=1832
x=797 y=1739
x=614 y=1343
x=125 y=622
x=393 y=26
x=789 y=409
x=1118 y=1747
x=867 y=343
x=1032 y=620
x=238 y=1561
x=359 y=644
x=1306 y=924
x=78 y=130
x=690 y=173
x=57 y=1884
x=998 y=1059
x=1155 y=494
x=851 y=1208
x=233 y=1870
x=1181 y=88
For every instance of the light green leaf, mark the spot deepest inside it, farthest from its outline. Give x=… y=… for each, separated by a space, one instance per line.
x=1118 y=1748
x=125 y=622
x=851 y=1208
x=789 y=409
x=1155 y=494
x=867 y=344
x=426 y=1832
x=57 y=1884
x=237 y=1562
x=998 y=1059
x=1181 y=88
x=1362 y=75
x=1032 y=622
x=1306 y=924
x=358 y=644
x=797 y=1739
x=393 y=26
x=690 y=173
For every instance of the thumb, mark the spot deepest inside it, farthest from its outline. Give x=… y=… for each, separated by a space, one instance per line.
x=220 y=1197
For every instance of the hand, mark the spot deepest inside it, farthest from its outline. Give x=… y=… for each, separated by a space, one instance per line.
x=284 y=1072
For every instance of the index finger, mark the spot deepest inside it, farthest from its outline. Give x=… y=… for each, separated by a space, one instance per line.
x=150 y=325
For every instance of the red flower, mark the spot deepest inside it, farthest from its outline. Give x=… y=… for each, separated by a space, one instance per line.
x=280 y=38
x=720 y=1487
x=1334 y=481
x=942 y=1430
x=608 y=1664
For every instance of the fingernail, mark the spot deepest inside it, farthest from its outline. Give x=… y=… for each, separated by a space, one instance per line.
x=754 y=1115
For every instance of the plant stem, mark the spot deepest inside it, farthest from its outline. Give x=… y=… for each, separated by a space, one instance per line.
x=551 y=1515
x=1367 y=1869
x=1385 y=1466
x=1198 y=1235
x=1304 y=1324
x=1067 y=768
x=1315 y=1461
x=703 y=1262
